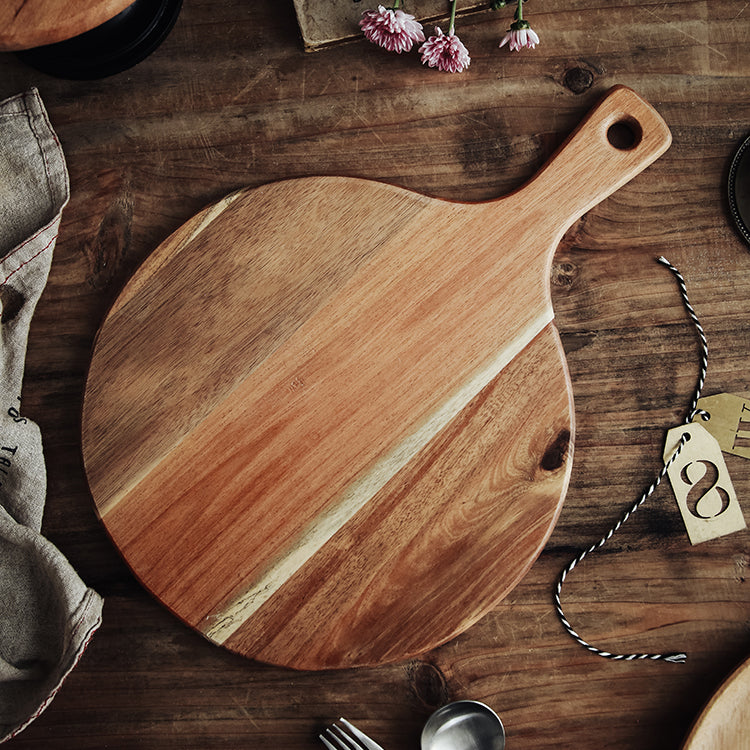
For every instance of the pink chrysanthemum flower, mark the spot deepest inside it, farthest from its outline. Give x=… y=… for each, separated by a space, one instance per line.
x=445 y=52
x=520 y=35
x=390 y=28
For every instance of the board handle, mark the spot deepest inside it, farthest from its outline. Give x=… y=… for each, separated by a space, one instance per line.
x=619 y=137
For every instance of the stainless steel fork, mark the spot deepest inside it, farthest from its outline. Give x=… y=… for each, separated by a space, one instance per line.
x=347 y=738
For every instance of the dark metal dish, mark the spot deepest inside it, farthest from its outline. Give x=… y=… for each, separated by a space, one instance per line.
x=739 y=189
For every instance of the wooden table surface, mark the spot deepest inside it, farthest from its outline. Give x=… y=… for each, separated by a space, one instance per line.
x=232 y=100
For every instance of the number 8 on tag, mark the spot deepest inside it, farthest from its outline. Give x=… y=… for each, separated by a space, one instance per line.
x=701 y=484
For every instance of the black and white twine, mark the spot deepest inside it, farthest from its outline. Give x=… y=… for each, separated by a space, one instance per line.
x=692 y=413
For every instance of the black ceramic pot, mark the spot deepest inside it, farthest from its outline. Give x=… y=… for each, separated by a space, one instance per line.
x=116 y=45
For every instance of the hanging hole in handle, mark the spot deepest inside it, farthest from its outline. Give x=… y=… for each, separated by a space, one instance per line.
x=625 y=134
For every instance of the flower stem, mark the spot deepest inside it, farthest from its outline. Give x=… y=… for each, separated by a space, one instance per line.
x=452 y=24
x=519 y=11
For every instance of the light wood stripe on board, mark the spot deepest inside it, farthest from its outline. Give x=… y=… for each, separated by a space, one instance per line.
x=223 y=623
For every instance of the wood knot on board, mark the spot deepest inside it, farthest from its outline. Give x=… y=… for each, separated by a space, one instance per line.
x=428 y=683
x=578 y=79
x=556 y=453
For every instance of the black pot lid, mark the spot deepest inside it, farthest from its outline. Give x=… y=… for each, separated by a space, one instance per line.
x=739 y=189
x=116 y=45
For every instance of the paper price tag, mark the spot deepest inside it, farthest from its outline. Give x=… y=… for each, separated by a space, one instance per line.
x=729 y=422
x=701 y=484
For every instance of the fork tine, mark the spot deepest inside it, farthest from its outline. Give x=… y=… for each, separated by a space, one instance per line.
x=367 y=743
x=343 y=741
x=340 y=740
x=327 y=743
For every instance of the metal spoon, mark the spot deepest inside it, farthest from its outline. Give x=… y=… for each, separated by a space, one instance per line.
x=464 y=725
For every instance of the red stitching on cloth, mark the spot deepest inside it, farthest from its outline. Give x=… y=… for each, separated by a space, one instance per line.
x=28 y=260
x=25 y=242
x=50 y=697
x=30 y=117
x=50 y=131
x=95 y=626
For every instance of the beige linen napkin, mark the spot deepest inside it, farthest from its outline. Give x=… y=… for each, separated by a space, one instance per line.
x=47 y=614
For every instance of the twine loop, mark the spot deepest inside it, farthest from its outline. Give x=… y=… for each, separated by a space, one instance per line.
x=693 y=412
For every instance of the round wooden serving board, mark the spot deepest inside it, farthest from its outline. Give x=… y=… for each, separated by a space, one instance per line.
x=329 y=422
x=724 y=724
